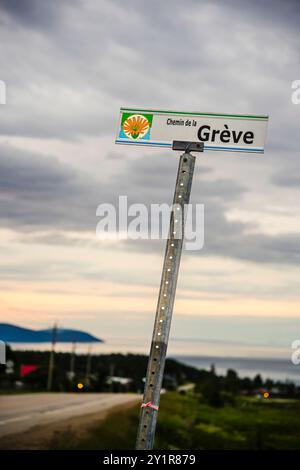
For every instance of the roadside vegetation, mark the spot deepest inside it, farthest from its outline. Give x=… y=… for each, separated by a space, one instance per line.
x=190 y=422
x=200 y=409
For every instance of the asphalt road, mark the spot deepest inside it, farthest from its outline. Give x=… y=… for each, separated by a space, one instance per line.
x=19 y=413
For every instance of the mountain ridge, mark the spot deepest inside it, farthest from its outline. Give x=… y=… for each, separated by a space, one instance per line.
x=10 y=333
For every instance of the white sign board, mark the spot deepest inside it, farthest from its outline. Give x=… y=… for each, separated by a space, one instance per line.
x=230 y=132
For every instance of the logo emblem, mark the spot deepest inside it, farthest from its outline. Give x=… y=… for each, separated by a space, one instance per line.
x=136 y=126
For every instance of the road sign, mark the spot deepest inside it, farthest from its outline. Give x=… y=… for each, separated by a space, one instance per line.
x=186 y=132
x=227 y=132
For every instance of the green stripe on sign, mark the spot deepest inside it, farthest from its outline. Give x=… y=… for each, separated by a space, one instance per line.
x=243 y=116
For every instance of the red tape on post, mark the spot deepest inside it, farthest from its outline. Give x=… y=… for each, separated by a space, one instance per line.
x=149 y=405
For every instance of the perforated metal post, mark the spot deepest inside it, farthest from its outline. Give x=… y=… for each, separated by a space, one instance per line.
x=51 y=358
x=156 y=364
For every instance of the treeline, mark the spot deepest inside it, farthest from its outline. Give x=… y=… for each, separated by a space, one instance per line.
x=102 y=368
x=218 y=391
x=120 y=372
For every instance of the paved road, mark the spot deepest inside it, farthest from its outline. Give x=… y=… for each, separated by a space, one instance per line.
x=18 y=413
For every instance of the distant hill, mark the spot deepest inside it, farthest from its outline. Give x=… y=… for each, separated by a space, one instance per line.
x=17 y=334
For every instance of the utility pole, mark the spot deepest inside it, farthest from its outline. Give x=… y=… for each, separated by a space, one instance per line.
x=111 y=374
x=51 y=359
x=162 y=324
x=88 y=366
x=72 y=364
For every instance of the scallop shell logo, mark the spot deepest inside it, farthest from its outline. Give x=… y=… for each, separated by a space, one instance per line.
x=136 y=126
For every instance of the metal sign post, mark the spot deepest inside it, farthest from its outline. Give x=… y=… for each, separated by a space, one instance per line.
x=162 y=324
x=51 y=359
x=193 y=131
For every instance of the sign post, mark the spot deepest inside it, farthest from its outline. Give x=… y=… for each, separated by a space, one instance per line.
x=164 y=310
x=193 y=132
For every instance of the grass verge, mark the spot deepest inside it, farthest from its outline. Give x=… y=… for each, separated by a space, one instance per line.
x=185 y=422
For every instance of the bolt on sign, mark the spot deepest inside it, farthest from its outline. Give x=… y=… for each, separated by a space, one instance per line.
x=227 y=132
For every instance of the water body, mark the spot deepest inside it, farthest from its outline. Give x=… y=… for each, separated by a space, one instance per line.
x=276 y=369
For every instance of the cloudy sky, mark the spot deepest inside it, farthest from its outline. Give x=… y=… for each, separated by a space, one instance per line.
x=69 y=65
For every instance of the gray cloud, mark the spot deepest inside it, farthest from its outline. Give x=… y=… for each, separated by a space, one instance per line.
x=33 y=13
x=68 y=66
x=77 y=62
x=231 y=240
x=287 y=178
x=41 y=193
x=91 y=57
